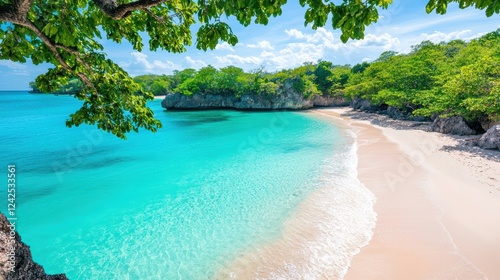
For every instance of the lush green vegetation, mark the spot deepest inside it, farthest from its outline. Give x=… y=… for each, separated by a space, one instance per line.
x=454 y=78
x=66 y=34
x=322 y=78
x=73 y=86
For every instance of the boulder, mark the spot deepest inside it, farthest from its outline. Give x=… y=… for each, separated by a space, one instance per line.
x=490 y=122
x=361 y=104
x=329 y=101
x=395 y=113
x=491 y=139
x=452 y=125
x=12 y=248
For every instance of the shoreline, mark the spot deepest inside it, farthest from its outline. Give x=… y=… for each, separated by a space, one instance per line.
x=436 y=212
x=324 y=232
x=437 y=209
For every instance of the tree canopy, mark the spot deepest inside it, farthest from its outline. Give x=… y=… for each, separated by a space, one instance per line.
x=65 y=33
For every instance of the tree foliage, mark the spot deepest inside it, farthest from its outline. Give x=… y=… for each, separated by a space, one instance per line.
x=66 y=33
x=454 y=78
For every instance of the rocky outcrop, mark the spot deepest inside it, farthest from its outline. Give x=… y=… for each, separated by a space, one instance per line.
x=287 y=99
x=246 y=102
x=490 y=122
x=395 y=113
x=329 y=101
x=14 y=252
x=361 y=104
x=452 y=125
x=491 y=139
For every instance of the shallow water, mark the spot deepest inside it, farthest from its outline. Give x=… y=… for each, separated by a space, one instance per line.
x=177 y=204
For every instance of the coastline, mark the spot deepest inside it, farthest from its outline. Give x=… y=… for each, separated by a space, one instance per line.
x=437 y=209
x=324 y=232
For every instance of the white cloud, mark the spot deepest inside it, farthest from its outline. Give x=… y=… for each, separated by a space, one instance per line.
x=156 y=66
x=310 y=47
x=321 y=35
x=15 y=68
x=195 y=63
x=236 y=59
x=412 y=26
x=224 y=46
x=385 y=41
x=265 y=45
x=12 y=65
x=294 y=54
x=294 y=33
x=438 y=37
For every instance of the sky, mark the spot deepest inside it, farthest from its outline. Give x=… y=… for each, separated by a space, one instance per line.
x=286 y=43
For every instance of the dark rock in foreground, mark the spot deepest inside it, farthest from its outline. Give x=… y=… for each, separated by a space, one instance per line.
x=491 y=139
x=452 y=125
x=13 y=249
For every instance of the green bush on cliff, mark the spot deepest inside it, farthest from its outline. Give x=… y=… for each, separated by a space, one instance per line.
x=454 y=78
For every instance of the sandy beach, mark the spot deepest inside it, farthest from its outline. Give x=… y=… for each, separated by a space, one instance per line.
x=437 y=213
x=438 y=208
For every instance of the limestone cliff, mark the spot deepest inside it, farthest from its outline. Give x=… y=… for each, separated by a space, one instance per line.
x=285 y=98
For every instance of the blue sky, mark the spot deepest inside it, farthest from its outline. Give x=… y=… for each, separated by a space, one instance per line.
x=286 y=43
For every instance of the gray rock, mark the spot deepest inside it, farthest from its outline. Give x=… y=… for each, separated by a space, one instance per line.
x=490 y=122
x=25 y=268
x=491 y=139
x=418 y=118
x=361 y=104
x=329 y=101
x=452 y=125
x=197 y=101
x=286 y=98
x=395 y=113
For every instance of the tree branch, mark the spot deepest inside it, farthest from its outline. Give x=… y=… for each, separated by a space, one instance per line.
x=115 y=11
x=23 y=7
x=15 y=12
x=157 y=18
x=53 y=48
x=76 y=54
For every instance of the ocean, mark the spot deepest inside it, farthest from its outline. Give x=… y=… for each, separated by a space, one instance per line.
x=181 y=203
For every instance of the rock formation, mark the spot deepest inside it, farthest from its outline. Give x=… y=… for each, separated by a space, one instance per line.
x=14 y=251
x=329 y=101
x=361 y=104
x=491 y=139
x=452 y=125
x=490 y=122
x=285 y=98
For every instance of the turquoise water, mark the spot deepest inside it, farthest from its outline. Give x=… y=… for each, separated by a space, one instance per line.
x=177 y=204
